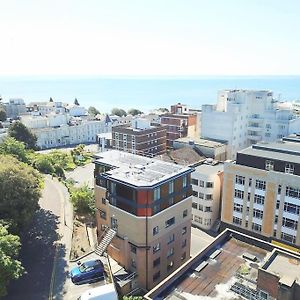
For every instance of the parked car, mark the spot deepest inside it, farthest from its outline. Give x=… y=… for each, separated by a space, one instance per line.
x=89 y=271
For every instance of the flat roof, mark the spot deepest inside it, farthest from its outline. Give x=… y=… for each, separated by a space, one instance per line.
x=138 y=170
x=210 y=169
x=201 y=142
x=285 y=151
x=232 y=260
x=286 y=267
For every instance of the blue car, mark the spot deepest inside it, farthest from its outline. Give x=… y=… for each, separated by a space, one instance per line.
x=89 y=271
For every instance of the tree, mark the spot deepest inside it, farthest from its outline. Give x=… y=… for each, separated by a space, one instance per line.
x=10 y=267
x=3 y=115
x=51 y=100
x=76 y=102
x=83 y=199
x=20 y=188
x=163 y=109
x=134 y=112
x=21 y=133
x=11 y=146
x=44 y=164
x=118 y=112
x=93 y=111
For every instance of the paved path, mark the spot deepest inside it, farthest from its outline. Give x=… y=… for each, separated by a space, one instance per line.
x=83 y=175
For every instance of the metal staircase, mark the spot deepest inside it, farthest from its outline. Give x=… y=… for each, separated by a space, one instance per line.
x=101 y=248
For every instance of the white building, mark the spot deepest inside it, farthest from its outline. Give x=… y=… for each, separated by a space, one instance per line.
x=207 y=180
x=244 y=117
x=14 y=108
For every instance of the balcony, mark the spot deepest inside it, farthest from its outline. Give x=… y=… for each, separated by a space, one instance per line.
x=254 y=128
x=254 y=137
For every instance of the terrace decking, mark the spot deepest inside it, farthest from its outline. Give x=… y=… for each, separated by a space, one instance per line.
x=219 y=270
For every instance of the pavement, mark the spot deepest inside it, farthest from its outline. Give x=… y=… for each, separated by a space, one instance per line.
x=83 y=175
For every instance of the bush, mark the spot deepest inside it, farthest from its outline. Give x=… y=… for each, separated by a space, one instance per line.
x=83 y=199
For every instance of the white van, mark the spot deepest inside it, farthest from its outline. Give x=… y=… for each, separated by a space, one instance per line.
x=105 y=292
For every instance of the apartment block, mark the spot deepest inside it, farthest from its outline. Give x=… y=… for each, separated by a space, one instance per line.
x=244 y=117
x=207 y=180
x=140 y=138
x=148 y=203
x=179 y=125
x=261 y=191
x=14 y=108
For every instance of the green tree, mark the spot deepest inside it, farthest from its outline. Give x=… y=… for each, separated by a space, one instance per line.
x=134 y=112
x=76 y=102
x=10 y=267
x=44 y=164
x=21 y=133
x=93 y=111
x=51 y=100
x=83 y=199
x=19 y=191
x=118 y=112
x=163 y=109
x=15 y=148
x=2 y=113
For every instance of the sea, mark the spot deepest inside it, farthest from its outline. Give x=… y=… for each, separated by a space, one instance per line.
x=143 y=93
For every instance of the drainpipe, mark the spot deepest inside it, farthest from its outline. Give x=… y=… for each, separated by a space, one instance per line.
x=147 y=243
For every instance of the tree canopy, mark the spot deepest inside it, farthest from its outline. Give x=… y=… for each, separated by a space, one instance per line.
x=134 y=112
x=83 y=199
x=2 y=113
x=51 y=100
x=118 y=112
x=19 y=192
x=15 y=148
x=93 y=111
x=76 y=102
x=10 y=267
x=21 y=133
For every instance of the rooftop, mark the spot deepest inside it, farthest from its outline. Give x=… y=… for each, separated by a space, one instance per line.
x=283 y=150
x=183 y=156
x=231 y=262
x=200 y=142
x=210 y=168
x=138 y=170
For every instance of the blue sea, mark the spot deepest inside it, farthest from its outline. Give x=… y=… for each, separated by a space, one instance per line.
x=144 y=93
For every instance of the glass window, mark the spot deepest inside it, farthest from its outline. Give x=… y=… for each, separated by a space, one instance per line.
x=237 y=221
x=209 y=197
x=238 y=194
x=170 y=222
x=170 y=252
x=156 y=262
x=238 y=207
x=195 y=205
x=260 y=185
x=156 y=248
x=256 y=227
x=156 y=194
x=155 y=230
x=156 y=276
x=240 y=179
x=201 y=183
x=292 y=192
x=171 y=238
x=208 y=209
x=170 y=265
x=259 y=199
x=185 y=213
x=195 y=194
x=183 y=256
x=257 y=213
x=269 y=165
x=184 y=181
x=133 y=248
x=195 y=181
x=102 y=214
x=209 y=184
x=289 y=168
x=171 y=187
x=184 y=229
x=201 y=207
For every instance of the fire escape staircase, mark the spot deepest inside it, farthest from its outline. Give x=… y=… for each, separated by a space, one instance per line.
x=101 y=248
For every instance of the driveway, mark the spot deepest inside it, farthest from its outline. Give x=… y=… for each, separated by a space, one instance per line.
x=83 y=175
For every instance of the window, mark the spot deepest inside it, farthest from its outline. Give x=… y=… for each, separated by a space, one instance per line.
x=170 y=252
x=201 y=195
x=170 y=222
x=185 y=213
x=256 y=227
x=195 y=205
x=156 y=208
x=183 y=256
x=133 y=249
x=207 y=222
x=276 y=219
x=279 y=189
x=250 y=181
x=102 y=214
x=269 y=165
x=155 y=230
x=208 y=209
x=257 y=213
x=195 y=194
x=237 y=221
x=183 y=243
x=289 y=223
x=184 y=230
x=289 y=168
x=259 y=199
x=240 y=179
x=267 y=134
x=209 y=184
x=114 y=223
x=260 y=185
x=184 y=181
x=201 y=207
x=277 y=204
x=238 y=194
x=201 y=183
x=156 y=248
x=171 y=238
x=156 y=262
x=292 y=208
x=156 y=194
x=170 y=265
x=156 y=276
x=104 y=201
x=268 y=126
x=288 y=238
x=292 y=192
x=238 y=207
x=198 y=219
x=171 y=187
x=195 y=181
x=209 y=197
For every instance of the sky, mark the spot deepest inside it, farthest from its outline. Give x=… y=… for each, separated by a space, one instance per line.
x=149 y=37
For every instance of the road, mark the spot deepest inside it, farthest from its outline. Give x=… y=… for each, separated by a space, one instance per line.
x=38 y=246
x=83 y=175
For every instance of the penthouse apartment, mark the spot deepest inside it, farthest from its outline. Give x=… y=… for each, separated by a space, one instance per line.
x=261 y=191
x=140 y=138
x=148 y=203
x=234 y=266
